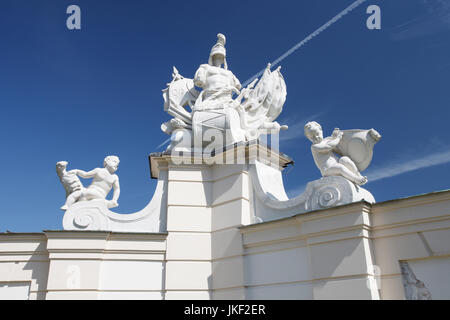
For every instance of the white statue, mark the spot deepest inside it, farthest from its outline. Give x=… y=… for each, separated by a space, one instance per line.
x=244 y=118
x=355 y=147
x=70 y=182
x=218 y=83
x=104 y=179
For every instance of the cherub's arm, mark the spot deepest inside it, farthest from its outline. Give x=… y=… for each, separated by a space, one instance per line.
x=322 y=146
x=84 y=174
x=113 y=202
x=328 y=143
x=116 y=187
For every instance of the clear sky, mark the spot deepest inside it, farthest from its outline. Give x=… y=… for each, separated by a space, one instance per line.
x=79 y=95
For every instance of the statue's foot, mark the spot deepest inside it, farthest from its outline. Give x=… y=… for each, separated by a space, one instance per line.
x=361 y=180
x=64 y=207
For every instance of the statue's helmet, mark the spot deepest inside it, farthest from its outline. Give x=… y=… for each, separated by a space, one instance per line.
x=219 y=49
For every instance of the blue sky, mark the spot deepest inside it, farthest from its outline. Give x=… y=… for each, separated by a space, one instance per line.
x=81 y=95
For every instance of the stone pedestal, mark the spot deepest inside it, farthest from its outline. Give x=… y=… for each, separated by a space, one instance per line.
x=208 y=200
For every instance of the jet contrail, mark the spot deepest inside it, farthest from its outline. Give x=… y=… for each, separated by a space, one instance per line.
x=395 y=169
x=312 y=35
x=298 y=45
x=163 y=143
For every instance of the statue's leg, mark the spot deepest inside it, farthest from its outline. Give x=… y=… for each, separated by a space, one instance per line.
x=71 y=199
x=347 y=162
x=340 y=170
x=91 y=194
x=234 y=132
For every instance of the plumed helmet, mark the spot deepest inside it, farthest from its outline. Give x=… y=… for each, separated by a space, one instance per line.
x=219 y=49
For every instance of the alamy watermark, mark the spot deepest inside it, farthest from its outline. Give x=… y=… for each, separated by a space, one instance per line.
x=73 y=21
x=74 y=277
x=374 y=20
x=222 y=146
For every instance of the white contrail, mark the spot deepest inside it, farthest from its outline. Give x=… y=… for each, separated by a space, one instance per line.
x=407 y=166
x=312 y=35
x=297 y=129
x=163 y=143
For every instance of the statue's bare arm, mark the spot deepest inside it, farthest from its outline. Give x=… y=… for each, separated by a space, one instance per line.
x=84 y=174
x=115 y=198
x=329 y=143
x=116 y=187
x=200 y=76
x=325 y=145
x=236 y=83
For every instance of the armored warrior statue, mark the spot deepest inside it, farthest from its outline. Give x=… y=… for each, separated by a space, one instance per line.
x=218 y=83
x=244 y=118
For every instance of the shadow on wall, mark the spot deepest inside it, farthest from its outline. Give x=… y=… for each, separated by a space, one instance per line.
x=39 y=270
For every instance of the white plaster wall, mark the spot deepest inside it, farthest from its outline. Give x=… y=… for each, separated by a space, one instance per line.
x=23 y=266
x=267 y=276
x=286 y=291
x=416 y=230
x=230 y=210
x=351 y=252
x=188 y=259
x=131 y=279
x=269 y=268
x=15 y=290
x=82 y=265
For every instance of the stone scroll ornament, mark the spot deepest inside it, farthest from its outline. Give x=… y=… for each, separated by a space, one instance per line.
x=87 y=208
x=252 y=112
x=103 y=180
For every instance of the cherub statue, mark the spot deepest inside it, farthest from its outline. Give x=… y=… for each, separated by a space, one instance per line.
x=324 y=151
x=104 y=179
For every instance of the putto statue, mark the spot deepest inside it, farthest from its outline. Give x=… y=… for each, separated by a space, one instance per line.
x=244 y=118
x=104 y=179
x=354 y=146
